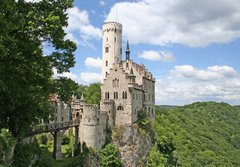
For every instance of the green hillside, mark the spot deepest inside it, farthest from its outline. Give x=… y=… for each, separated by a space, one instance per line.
x=200 y=134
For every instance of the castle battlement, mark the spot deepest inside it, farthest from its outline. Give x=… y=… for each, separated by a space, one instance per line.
x=91 y=106
x=127 y=88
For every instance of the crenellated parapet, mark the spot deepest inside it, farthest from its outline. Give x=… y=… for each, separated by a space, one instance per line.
x=112 y=26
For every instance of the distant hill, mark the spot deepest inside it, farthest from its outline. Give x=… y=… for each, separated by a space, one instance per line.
x=199 y=134
x=166 y=106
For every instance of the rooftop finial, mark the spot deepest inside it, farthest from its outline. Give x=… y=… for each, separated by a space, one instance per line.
x=127 y=51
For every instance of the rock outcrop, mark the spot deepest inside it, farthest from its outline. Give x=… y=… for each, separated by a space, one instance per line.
x=132 y=144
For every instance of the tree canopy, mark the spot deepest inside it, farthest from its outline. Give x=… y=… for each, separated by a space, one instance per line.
x=109 y=156
x=200 y=134
x=26 y=82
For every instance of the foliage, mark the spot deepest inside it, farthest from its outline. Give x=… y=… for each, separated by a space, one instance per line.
x=144 y=123
x=200 y=134
x=117 y=132
x=80 y=91
x=156 y=159
x=65 y=139
x=6 y=143
x=24 y=153
x=93 y=93
x=26 y=81
x=109 y=156
x=42 y=139
x=44 y=158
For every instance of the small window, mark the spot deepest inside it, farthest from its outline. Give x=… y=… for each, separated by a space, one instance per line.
x=107 y=49
x=106 y=74
x=106 y=63
x=107 y=39
x=120 y=108
x=126 y=65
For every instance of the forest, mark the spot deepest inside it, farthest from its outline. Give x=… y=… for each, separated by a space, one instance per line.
x=199 y=134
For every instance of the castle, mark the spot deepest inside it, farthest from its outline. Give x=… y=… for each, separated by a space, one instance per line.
x=127 y=88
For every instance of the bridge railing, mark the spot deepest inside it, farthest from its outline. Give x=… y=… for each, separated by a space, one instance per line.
x=54 y=126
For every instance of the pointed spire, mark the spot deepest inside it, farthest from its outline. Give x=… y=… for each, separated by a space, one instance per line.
x=127 y=51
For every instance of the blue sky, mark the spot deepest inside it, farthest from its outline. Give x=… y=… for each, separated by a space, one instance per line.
x=191 y=47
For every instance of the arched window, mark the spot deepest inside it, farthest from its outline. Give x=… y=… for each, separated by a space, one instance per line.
x=107 y=49
x=125 y=96
x=116 y=95
x=120 y=108
x=108 y=95
x=106 y=63
x=107 y=39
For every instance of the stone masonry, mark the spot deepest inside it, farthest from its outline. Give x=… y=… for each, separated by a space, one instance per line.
x=127 y=88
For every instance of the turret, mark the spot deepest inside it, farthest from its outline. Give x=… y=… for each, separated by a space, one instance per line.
x=111 y=46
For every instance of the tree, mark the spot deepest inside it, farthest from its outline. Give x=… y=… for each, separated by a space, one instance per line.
x=93 y=93
x=109 y=156
x=25 y=72
x=200 y=134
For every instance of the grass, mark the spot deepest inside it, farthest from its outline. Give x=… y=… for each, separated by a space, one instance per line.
x=66 y=162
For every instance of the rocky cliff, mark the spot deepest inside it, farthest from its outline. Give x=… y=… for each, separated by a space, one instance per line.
x=133 y=145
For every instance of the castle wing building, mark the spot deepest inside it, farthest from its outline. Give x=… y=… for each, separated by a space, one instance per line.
x=127 y=87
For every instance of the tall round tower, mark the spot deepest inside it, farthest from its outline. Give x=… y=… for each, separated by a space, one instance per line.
x=111 y=46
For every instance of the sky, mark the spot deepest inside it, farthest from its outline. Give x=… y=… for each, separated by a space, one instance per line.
x=191 y=47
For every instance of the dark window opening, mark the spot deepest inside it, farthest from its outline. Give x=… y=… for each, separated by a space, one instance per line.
x=120 y=108
x=106 y=49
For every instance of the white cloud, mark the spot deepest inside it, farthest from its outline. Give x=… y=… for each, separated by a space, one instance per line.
x=186 y=84
x=70 y=75
x=189 y=22
x=212 y=72
x=88 y=77
x=80 y=29
x=157 y=56
x=92 y=62
x=102 y=3
x=84 y=78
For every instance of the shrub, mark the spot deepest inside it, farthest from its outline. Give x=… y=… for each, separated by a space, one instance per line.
x=109 y=156
x=6 y=143
x=43 y=139
x=23 y=154
x=65 y=139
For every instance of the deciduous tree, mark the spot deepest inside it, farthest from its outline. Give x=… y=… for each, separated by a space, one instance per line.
x=26 y=82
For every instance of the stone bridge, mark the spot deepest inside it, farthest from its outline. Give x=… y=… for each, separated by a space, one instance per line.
x=57 y=130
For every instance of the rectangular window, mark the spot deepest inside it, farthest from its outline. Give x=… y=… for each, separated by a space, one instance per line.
x=106 y=63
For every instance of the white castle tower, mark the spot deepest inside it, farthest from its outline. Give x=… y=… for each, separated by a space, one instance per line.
x=111 y=46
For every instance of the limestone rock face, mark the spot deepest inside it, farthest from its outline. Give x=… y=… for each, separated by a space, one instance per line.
x=133 y=146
